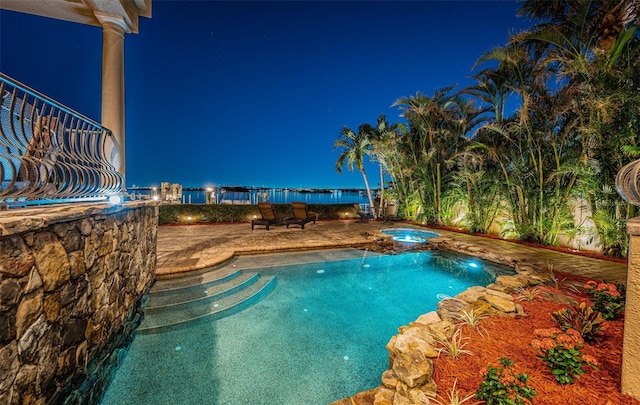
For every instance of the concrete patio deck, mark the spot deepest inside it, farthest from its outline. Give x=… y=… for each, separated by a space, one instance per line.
x=193 y=247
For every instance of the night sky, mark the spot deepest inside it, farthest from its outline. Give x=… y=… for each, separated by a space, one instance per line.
x=255 y=93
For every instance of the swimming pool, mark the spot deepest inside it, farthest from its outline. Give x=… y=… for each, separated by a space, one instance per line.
x=319 y=336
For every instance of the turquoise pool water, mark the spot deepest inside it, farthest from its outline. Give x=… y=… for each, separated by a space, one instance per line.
x=410 y=235
x=319 y=336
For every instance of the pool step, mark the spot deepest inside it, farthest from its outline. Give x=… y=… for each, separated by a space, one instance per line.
x=203 y=296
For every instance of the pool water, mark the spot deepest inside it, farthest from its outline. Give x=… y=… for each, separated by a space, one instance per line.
x=410 y=234
x=319 y=336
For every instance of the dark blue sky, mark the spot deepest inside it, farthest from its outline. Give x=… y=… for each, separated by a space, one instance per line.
x=255 y=93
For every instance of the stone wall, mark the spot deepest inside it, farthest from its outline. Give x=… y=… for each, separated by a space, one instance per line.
x=71 y=282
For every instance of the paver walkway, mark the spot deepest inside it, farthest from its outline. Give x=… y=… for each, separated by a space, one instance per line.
x=192 y=247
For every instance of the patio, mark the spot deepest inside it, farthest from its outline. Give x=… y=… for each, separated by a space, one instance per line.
x=191 y=247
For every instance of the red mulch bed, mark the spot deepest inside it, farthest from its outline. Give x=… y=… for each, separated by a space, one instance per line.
x=583 y=253
x=510 y=337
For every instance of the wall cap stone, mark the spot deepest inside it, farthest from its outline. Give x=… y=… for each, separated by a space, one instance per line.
x=29 y=219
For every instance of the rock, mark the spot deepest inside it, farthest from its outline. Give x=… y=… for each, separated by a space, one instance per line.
x=401 y=396
x=481 y=307
x=72 y=240
x=500 y=303
x=16 y=258
x=9 y=364
x=51 y=260
x=10 y=292
x=52 y=307
x=26 y=376
x=77 y=264
x=498 y=287
x=7 y=325
x=384 y=396
x=413 y=368
x=472 y=294
x=389 y=379
x=524 y=267
x=441 y=330
x=28 y=351
x=449 y=307
x=512 y=283
x=35 y=281
x=414 y=338
x=424 y=394
x=428 y=318
x=499 y=294
x=73 y=332
x=29 y=309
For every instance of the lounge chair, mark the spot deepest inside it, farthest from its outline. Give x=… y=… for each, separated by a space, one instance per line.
x=362 y=216
x=390 y=213
x=269 y=216
x=301 y=214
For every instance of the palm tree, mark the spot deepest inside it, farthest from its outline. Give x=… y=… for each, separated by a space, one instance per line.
x=381 y=133
x=355 y=147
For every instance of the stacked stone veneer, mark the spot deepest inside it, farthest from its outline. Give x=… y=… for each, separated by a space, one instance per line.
x=71 y=282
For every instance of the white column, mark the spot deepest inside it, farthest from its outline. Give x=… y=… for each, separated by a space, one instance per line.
x=631 y=344
x=113 y=29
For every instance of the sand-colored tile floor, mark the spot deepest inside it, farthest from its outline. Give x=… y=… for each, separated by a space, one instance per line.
x=192 y=247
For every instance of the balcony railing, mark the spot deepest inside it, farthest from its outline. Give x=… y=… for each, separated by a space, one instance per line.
x=50 y=153
x=628 y=182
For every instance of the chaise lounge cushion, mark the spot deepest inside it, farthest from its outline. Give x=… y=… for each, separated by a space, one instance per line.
x=301 y=215
x=269 y=216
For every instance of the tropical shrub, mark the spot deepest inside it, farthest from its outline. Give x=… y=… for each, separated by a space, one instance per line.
x=607 y=298
x=528 y=294
x=560 y=351
x=454 y=346
x=454 y=397
x=502 y=386
x=582 y=318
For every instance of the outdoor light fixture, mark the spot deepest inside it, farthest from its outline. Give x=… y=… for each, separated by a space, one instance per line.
x=114 y=199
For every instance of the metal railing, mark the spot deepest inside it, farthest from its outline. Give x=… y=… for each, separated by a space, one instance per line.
x=50 y=153
x=628 y=182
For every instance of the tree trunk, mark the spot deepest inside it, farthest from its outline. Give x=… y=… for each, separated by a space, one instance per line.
x=381 y=187
x=366 y=184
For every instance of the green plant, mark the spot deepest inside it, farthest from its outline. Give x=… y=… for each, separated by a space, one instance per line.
x=607 y=298
x=503 y=386
x=454 y=397
x=528 y=294
x=582 y=318
x=454 y=345
x=560 y=351
x=471 y=318
x=560 y=284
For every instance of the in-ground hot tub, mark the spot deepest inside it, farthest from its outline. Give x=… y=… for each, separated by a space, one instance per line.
x=409 y=235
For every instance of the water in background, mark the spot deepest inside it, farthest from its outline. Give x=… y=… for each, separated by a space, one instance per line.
x=279 y=196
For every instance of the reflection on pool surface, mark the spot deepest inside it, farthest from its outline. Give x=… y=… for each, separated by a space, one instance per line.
x=319 y=336
x=410 y=235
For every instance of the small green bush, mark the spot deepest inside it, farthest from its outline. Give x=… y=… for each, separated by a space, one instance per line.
x=607 y=298
x=216 y=213
x=502 y=386
x=582 y=318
